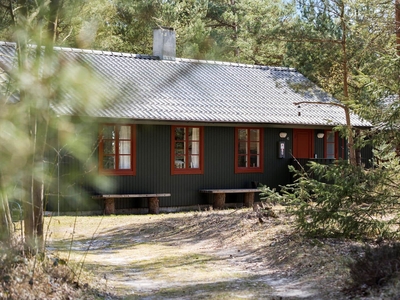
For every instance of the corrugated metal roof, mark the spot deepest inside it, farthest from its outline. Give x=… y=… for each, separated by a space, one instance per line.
x=145 y=88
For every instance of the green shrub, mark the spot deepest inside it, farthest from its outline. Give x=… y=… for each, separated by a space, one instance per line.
x=343 y=200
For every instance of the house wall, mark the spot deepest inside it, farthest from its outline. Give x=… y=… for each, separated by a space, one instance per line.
x=153 y=172
x=318 y=146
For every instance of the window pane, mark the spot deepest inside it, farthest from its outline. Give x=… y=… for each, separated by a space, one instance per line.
x=124 y=162
x=194 y=134
x=330 y=151
x=180 y=148
x=194 y=148
x=109 y=147
x=125 y=147
x=242 y=162
x=109 y=162
x=254 y=134
x=108 y=132
x=179 y=134
x=125 y=132
x=254 y=161
x=254 y=148
x=242 y=148
x=331 y=137
x=194 y=161
x=179 y=162
x=194 y=151
x=242 y=134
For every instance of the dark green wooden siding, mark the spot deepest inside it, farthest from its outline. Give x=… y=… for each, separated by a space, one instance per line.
x=153 y=173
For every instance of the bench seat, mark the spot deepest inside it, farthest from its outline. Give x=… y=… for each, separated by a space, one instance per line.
x=109 y=201
x=219 y=195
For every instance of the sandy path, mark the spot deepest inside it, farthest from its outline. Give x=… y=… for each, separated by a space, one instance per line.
x=214 y=255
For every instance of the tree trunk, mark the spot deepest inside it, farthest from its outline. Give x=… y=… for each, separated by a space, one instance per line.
x=29 y=219
x=27 y=203
x=397 y=24
x=397 y=29
x=42 y=117
x=5 y=217
x=352 y=152
x=37 y=113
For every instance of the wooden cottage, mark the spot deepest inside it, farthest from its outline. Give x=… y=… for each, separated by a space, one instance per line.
x=180 y=128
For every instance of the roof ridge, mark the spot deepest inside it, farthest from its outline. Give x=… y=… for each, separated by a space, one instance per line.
x=89 y=51
x=102 y=52
x=233 y=64
x=152 y=57
x=2 y=43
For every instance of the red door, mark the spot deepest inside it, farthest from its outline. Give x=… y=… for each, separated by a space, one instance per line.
x=303 y=143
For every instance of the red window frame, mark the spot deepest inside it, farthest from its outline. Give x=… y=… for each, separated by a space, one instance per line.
x=117 y=171
x=335 y=144
x=180 y=161
x=248 y=155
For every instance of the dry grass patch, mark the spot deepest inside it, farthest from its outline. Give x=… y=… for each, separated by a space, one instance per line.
x=229 y=254
x=166 y=254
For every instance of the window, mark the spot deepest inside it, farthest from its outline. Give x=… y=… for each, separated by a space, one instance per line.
x=117 y=149
x=249 y=150
x=330 y=145
x=186 y=150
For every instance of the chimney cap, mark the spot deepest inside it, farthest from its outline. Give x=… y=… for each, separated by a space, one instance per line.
x=164 y=27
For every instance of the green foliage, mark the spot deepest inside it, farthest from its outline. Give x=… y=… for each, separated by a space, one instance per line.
x=247 y=30
x=240 y=31
x=335 y=41
x=33 y=78
x=344 y=200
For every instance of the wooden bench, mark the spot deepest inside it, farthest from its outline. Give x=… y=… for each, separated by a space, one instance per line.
x=109 y=201
x=218 y=196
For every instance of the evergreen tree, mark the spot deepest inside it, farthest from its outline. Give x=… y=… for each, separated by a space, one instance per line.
x=36 y=78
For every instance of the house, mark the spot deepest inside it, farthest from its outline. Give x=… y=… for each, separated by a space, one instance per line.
x=179 y=125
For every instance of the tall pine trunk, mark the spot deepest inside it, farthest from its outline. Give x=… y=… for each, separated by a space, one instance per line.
x=350 y=134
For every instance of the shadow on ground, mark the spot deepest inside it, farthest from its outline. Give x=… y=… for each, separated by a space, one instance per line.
x=207 y=255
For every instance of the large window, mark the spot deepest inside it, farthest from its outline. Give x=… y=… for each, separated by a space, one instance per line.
x=248 y=150
x=117 y=149
x=186 y=150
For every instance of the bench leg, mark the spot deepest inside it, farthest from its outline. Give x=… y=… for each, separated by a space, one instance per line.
x=219 y=201
x=154 y=205
x=248 y=199
x=109 y=206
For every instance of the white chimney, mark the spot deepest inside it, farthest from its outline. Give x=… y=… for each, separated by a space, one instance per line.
x=164 y=43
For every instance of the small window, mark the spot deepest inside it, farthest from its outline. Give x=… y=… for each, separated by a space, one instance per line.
x=117 y=149
x=186 y=150
x=248 y=150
